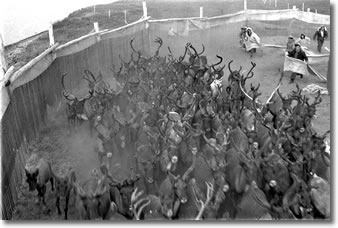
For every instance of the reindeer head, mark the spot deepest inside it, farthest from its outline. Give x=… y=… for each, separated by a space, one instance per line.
x=234 y=75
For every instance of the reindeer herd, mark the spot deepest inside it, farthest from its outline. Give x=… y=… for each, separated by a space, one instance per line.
x=204 y=147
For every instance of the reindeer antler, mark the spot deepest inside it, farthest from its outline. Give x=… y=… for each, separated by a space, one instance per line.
x=62 y=81
x=88 y=72
x=136 y=202
x=221 y=60
x=253 y=66
x=131 y=45
x=170 y=54
x=318 y=99
x=181 y=58
x=160 y=42
x=203 y=49
x=250 y=72
x=298 y=92
x=191 y=168
x=203 y=205
x=229 y=67
x=196 y=54
x=65 y=93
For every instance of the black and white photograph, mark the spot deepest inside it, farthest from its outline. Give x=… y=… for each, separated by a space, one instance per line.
x=126 y=110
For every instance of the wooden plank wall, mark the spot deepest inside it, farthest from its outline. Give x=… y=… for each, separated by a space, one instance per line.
x=26 y=114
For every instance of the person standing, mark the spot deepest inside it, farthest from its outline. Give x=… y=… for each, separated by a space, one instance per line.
x=321 y=34
x=242 y=36
x=252 y=41
x=290 y=45
x=303 y=41
x=297 y=53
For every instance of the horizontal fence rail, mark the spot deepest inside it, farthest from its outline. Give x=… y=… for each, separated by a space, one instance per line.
x=264 y=15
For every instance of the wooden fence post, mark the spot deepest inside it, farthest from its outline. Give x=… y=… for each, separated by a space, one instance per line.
x=51 y=35
x=3 y=63
x=125 y=17
x=96 y=26
x=245 y=5
x=109 y=13
x=94 y=8
x=303 y=7
x=308 y=10
x=97 y=29
x=294 y=7
x=145 y=10
x=201 y=12
x=5 y=74
x=288 y=5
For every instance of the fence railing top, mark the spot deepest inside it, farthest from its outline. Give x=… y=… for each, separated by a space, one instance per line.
x=177 y=19
x=291 y=11
x=63 y=46
x=142 y=19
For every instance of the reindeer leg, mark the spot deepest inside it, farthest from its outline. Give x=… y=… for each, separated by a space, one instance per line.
x=74 y=195
x=66 y=206
x=58 y=204
x=41 y=193
x=77 y=123
x=52 y=183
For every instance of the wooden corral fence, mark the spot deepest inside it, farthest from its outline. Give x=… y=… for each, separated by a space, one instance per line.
x=36 y=88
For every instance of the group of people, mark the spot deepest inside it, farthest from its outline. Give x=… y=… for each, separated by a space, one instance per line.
x=294 y=48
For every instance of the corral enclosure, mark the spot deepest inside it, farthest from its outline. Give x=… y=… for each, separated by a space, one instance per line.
x=37 y=103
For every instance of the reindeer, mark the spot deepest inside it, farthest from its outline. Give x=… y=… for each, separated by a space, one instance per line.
x=75 y=106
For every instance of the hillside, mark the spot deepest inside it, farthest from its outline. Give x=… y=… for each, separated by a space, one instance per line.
x=80 y=22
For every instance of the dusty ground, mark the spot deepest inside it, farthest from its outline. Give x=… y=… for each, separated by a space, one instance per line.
x=76 y=149
x=65 y=148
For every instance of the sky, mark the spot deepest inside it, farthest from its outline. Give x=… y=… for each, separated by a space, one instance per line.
x=23 y=18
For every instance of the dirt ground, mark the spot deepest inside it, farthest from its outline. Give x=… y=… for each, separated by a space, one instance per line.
x=66 y=148
x=76 y=149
